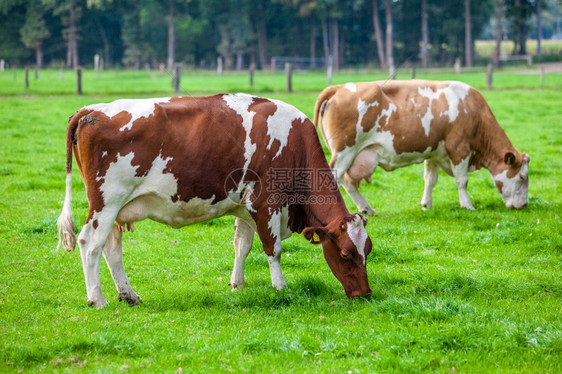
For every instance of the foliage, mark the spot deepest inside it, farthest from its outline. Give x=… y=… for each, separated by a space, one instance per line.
x=469 y=291
x=134 y=32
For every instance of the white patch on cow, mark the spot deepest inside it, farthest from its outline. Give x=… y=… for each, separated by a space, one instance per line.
x=103 y=154
x=455 y=93
x=358 y=236
x=351 y=87
x=280 y=123
x=240 y=104
x=137 y=108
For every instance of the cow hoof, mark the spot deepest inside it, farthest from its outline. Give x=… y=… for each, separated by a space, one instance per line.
x=368 y=211
x=469 y=207
x=132 y=299
x=100 y=304
x=237 y=286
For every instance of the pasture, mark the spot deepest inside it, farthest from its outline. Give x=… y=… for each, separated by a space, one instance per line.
x=453 y=290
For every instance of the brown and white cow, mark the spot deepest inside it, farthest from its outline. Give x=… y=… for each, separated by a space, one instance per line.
x=180 y=161
x=392 y=124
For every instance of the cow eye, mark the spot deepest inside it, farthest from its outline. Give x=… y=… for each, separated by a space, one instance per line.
x=346 y=255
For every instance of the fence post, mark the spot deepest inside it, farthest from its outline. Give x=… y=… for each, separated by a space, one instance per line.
x=458 y=65
x=79 y=81
x=489 y=76
x=252 y=68
x=413 y=72
x=219 y=65
x=529 y=60
x=2 y=65
x=330 y=70
x=177 y=77
x=61 y=74
x=542 y=74
x=289 y=73
x=26 y=78
x=15 y=73
x=272 y=63
x=36 y=73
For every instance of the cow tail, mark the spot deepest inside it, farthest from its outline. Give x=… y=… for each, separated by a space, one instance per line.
x=324 y=96
x=65 y=223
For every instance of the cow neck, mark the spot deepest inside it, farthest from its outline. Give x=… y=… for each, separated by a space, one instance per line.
x=493 y=145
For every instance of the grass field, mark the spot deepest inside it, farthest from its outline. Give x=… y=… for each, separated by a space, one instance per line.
x=453 y=290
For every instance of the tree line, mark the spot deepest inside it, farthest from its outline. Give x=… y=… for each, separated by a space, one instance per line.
x=382 y=33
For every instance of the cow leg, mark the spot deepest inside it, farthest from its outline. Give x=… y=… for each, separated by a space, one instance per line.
x=243 y=237
x=113 y=254
x=363 y=167
x=91 y=240
x=430 y=175
x=460 y=173
x=270 y=236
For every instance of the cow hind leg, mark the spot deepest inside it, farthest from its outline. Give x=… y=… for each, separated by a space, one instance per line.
x=430 y=175
x=363 y=167
x=91 y=241
x=243 y=237
x=113 y=254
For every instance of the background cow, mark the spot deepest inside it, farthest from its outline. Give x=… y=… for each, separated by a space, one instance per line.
x=185 y=160
x=392 y=124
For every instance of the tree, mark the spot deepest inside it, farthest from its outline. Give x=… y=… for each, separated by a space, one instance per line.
x=468 y=34
x=389 y=40
x=378 y=34
x=132 y=36
x=171 y=34
x=425 y=36
x=518 y=12
x=539 y=29
x=498 y=34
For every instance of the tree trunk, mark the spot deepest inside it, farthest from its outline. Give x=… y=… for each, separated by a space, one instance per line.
x=378 y=34
x=498 y=14
x=467 y=34
x=425 y=34
x=239 y=60
x=325 y=40
x=335 y=43
x=72 y=51
x=389 y=54
x=539 y=30
x=312 y=43
x=171 y=36
x=262 y=36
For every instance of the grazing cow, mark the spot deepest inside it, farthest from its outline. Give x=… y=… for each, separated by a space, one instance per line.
x=180 y=161
x=392 y=124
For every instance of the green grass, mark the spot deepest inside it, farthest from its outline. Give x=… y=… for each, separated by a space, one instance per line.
x=477 y=291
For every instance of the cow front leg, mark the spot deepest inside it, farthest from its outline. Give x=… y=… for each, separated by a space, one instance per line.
x=270 y=236
x=243 y=237
x=91 y=241
x=430 y=175
x=113 y=254
x=460 y=173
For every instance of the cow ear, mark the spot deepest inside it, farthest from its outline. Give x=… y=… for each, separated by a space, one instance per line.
x=509 y=158
x=315 y=235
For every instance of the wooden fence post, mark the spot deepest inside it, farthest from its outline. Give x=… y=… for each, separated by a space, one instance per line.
x=219 y=65
x=413 y=72
x=489 y=76
x=26 y=78
x=2 y=65
x=61 y=74
x=177 y=77
x=330 y=70
x=457 y=65
x=252 y=68
x=542 y=74
x=289 y=73
x=36 y=73
x=79 y=81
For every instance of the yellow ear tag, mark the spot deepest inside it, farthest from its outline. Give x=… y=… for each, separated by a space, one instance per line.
x=315 y=237
x=508 y=161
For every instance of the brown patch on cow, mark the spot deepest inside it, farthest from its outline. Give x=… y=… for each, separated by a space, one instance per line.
x=499 y=186
x=95 y=224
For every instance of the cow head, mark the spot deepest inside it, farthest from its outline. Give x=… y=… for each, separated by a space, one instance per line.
x=513 y=182
x=346 y=245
